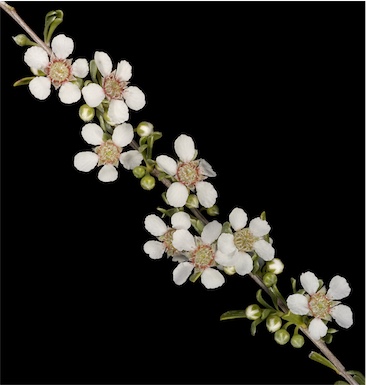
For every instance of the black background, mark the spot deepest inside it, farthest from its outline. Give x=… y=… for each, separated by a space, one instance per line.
x=273 y=95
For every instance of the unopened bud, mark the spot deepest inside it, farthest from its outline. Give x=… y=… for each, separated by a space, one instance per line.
x=269 y=279
x=23 y=40
x=144 y=129
x=273 y=323
x=282 y=336
x=229 y=270
x=275 y=266
x=213 y=211
x=192 y=202
x=147 y=182
x=297 y=341
x=139 y=171
x=86 y=113
x=253 y=312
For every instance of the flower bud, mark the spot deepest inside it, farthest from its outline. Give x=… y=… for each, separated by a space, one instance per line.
x=273 y=323
x=147 y=182
x=282 y=336
x=253 y=312
x=192 y=202
x=213 y=211
x=22 y=40
x=275 y=266
x=269 y=279
x=139 y=171
x=86 y=113
x=297 y=341
x=144 y=129
x=229 y=270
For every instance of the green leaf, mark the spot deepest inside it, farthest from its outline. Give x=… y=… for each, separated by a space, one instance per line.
x=24 y=81
x=93 y=69
x=52 y=20
x=142 y=148
x=341 y=383
x=261 y=300
x=253 y=326
x=266 y=313
x=358 y=376
x=232 y=314
x=294 y=318
x=322 y=360
x=293 y=284
x=226 y=228
x=157 y=135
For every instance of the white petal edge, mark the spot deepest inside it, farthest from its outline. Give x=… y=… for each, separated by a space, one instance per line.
x=225 y=243
x=212 y=278
x=93 y=94
x=338 y=288
x=309 y=282
x=103 y=62
x=69 y=93
x=343 y=315
x=92 y=133
x=206 y=194
x=155 y=225
x=182 y=272
x=130 y=159
x=298 y=304
x=183 y=240
x=238 y=218
x=259 y=227
x=108 y=173
x=264 y=249
x=36 y=57
x=181 y=220
x=177 y=194
x=211 y=232
x=243 y=263
x=184 y=147
x=317 y=328
x=62 y=46
x=85 y=161
x=123 y=134
x=40 y=87
x=206 y=168
x=124 y=70
x=118 y=111
x=167 y=164
x=134 y=98
x=80 y=68
x=154 y=249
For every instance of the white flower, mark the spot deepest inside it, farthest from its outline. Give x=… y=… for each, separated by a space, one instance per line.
x=107 y=153
x=201 y=254
x=58 y=70
x=188 y=173
x=115 y=88
x=322 y=304
x=234 y=248
x=157 y=227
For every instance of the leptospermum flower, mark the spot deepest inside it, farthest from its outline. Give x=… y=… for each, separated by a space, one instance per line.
x=234 y=248
x=321 y=303
x=56 y=70
x=201 y=253
x=188 y=173
x=115 y=88
x=157 y=227
x=107 y=153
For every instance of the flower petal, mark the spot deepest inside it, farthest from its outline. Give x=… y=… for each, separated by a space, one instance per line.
x=309 y=282
x=243 y=263
x=238 y=218
x=182 y=272
x=103 y=62
x=130 y=159
x=92 y=133
x=36 y=57
x=177 y=194
x=185 y=148
x=224 y=259
x=134 y=98
x=124 y=70
x=206 y=194
x=40 y=87
x=85 y=161
x=298 y=304
x=212 y=278
x=206 y=168
x=108 y=173
x=259 y=227
x=69 y=93
x=93 y=94
x=118 y=111
x=225 y=243
x=264 y=249
x=154 y=249
x=317 y=328
x=167 y=164
x=155 y=225
x=183 y=240
x=80 y=68
x=181 y=220
x=343 y=315
x=211 y=232
x=62 y=46
x=338 y=288
x=123 y=134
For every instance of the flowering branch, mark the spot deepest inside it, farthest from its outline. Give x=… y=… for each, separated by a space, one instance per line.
x=216 y=250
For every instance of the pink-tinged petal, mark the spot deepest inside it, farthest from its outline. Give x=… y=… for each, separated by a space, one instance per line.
x=85 y=161
x=224 y=259
x=184 y=147
x=238 y=218
x=309 y=282
x=211 y=232
x=317 y=328
x=183 y=240
x=124 y=70
x=154 y=249
x=338 y=288
x=108 y=173
x=36 y=57
x=177 y=194
x=155 y=225
x=69 y=93
x=206 y=168
x=343 y=315
x=259 y=227
x=93 y=94
x=134 y=98
x=40 y=87
x=225 y=244
x=80 y=68
x=206 y=194
x=264 y=249
x=243 y=263
x=298 y=304
x=92 y=134
x=103 y=62
x=182 y=272
x=181 y=220
x=212 y=278
x=167 y=164
x=130 y=159
x=123 y=134
x=62 y=46
x=118 y=111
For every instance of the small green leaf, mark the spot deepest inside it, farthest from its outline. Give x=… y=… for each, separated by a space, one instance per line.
x=93 y=69
x=341 y=383
x=226 y=228
x=294 y=318
x=266 y=313
x=52 y=20
x=358 y=376
x=142 y=148
x=293 y=284
x=262 y=301
x=253 y=326
x=24 y=81
x=157 y=135
x=322 y=360
x=232 y=314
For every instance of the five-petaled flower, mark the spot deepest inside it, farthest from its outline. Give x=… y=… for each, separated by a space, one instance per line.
x=107 y=153
x=189 y=174
x=57 y=70
x=115 y=89
x=321 y=303
x=201 y=253
x=157 y=227
x=234 y=248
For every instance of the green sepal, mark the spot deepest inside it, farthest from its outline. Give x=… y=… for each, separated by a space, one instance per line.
x=142 y=148
x=328 y=338
x=256 y=266
x=266 y=313
x=233 y=314
x=358 y=376
x=93 y=69
x=52 y=20
x=168 y=212
x=157 y=135
x=262 y=301
x=106 y=136
x=293 y=284
x=23 y=81
x=162 y=176
x=332 y=331
x=197 y=225
x=226 y=228
x=142 y=140
x=193 y=278
x=294 y=318
x=322 y=360
x=253 y=326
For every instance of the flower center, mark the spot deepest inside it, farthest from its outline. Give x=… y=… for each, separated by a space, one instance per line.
x=244 y=240
x=203 y=257
x=59 y=71
x=319 y=305
x=108 y=153
x=113 y=88
x=189 y=173
x=167 y=240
